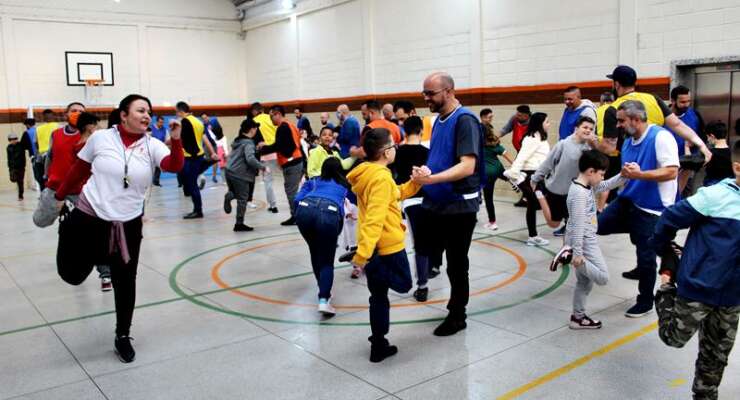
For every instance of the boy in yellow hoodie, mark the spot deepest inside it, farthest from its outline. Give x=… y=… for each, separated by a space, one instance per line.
x=380 y=242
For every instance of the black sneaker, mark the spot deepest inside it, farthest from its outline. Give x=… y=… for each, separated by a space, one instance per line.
x=201 y=183
x=639 y=310
x=433 y=272
x=560 y=232
x=669 y=260
x=583 y=323
x=563 y=257
x=242 y=228
x=193 y=215
x=421 y=294
x=124 y=350
x=521 y=203
x=691 y=162
x=450 y=327
x=273 y=210
x=288 y=222
x=228 y=197
x=380 y=353
x=348 y=256
x=633 y=274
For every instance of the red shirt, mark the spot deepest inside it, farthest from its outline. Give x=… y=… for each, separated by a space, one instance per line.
x=64 y=148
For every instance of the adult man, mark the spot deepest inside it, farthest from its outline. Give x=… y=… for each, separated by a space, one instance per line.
x=486 y=116
x=681 y=106
x=349 y=133
x=405 y=109
x=192 y=133
x=266 y=133
x=159 y=132
x=651 y=165
x=302 y=122
x=615 y=165
x=287 y=147
x=376 y=120
x=43 y=136
x=325 y=122
x=389 y=114
x=63 y=144
x=451 y=195
x=575 y=108
x=517 y=126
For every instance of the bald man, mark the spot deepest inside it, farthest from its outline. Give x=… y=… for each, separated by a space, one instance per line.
x=388 y=113
x=349 y=133
x=575 y=108
x=451 y=195
x=325 y=122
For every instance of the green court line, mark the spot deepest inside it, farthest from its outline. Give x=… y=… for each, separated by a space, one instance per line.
x=193 y=297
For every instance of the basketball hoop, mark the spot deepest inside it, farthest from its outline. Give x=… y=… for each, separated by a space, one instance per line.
x=93 y=91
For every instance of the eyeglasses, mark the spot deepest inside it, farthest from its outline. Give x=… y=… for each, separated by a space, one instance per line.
x=432 y=93
x=390 y=146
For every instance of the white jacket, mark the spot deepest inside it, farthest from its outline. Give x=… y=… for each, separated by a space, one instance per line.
x=533 y=153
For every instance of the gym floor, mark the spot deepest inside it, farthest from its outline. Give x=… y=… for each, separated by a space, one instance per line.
x=225 y=315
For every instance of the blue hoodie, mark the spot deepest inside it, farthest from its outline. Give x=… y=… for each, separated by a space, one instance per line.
x=709 y=271
x=323 y=189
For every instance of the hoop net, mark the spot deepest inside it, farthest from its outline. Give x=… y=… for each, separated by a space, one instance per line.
x=93 y=91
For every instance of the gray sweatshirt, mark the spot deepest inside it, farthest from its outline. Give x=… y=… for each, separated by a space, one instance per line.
x=243 y=162
x=561 y=165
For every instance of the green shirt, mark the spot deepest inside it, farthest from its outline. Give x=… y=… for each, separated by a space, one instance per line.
x=493 y=165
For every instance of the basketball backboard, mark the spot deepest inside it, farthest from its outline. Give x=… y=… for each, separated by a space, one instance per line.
x=85 y=66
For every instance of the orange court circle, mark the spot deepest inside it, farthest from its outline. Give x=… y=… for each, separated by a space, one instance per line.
x=216 y=277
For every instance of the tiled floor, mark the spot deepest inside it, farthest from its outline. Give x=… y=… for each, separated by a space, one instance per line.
x=261 y=338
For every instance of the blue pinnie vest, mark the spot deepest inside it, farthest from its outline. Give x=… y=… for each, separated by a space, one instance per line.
x=644 y=194
x=443 y=155
x=568 y=123
x=691 y=119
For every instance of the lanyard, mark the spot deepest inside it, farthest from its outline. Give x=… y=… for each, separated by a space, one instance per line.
x=126 y=160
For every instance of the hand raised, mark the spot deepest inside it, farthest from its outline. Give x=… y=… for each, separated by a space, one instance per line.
x=175 y=129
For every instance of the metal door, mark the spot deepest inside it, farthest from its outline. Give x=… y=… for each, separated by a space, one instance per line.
x=734 y=125
x=713 y=96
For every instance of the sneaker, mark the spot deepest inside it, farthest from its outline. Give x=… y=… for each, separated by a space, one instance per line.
x=633 y=274
x=242 y=228
x=639 y=310
x=251 y=205
x=201 y=182
x=288 y=222
x=124 y=350
x=563 y=257
x=584 y=323
x=515 y=182
x=691 y=162
x=433 y=272
x=537 y=241
x=193 y=215
x=560 y=232
x=491 y=226
x=273 y=210
x=421 y=294
x=326 y=309
x=450 y=327
x=106 y=285
x=669 y=260
x=356 y=273
x=521 y=203
x=380 y=353
x=228 y=197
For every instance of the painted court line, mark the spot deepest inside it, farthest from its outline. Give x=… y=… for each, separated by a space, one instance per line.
x=567 y=368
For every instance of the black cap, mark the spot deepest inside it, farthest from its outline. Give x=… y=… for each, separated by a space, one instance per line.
x=624 y=74
x=248 y=124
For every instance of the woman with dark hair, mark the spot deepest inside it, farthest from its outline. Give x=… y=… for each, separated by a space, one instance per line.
x=105 y=225
x=319 y=216
x=114 y=118
x=533 y=152
x=492 y=150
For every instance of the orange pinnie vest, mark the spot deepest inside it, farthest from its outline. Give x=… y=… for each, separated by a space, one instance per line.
x=282 y=160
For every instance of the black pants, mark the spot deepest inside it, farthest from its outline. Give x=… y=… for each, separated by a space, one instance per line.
x=17 y=176
x=532 y=203
x=84 y=242
x=488 y=195
x=453 y=234
x=38 y=173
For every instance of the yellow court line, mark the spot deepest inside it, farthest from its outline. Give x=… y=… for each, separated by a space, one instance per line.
x=578 y=363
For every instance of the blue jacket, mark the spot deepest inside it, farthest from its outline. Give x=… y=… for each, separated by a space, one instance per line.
x=709 y=271
x=323 y=189
x=349 y=135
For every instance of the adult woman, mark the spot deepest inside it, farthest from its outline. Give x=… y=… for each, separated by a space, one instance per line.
x=105 y=226
x=319 y=215
x=494 y=170
x=533 y=152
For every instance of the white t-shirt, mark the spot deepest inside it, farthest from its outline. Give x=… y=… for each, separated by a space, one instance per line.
x=666 y=154
x=104 y=190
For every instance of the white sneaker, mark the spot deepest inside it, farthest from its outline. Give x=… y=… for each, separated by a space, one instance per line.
x=537 y=241
x=326 y=309
x=514 y=182
x=251 y=205
x=491 y=226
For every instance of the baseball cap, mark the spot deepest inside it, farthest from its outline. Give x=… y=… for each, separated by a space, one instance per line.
x=623 y=74
x=12 y=136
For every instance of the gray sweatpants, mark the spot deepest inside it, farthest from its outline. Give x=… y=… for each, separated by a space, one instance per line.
x=267 y=180
x=594 y=270
x=292 y=176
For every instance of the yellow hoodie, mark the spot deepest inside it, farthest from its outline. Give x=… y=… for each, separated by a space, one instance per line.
x=378 y=199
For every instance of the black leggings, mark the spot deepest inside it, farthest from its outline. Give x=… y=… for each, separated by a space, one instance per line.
x=532 y=204
x=84 y=243
x=488 y=195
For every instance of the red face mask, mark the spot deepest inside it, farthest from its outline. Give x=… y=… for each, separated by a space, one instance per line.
x=72 y=118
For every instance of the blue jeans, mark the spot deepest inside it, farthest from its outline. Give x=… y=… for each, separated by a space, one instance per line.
x=320 y=222
x=189 y=174
x=622 y=216
x=384 y=272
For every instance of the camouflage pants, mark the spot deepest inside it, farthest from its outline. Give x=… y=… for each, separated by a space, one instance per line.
x=678 y=321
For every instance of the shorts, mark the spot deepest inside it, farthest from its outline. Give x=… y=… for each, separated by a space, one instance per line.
x=557 y=203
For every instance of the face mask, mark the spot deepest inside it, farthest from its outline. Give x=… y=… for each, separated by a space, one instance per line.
x=72 y=118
